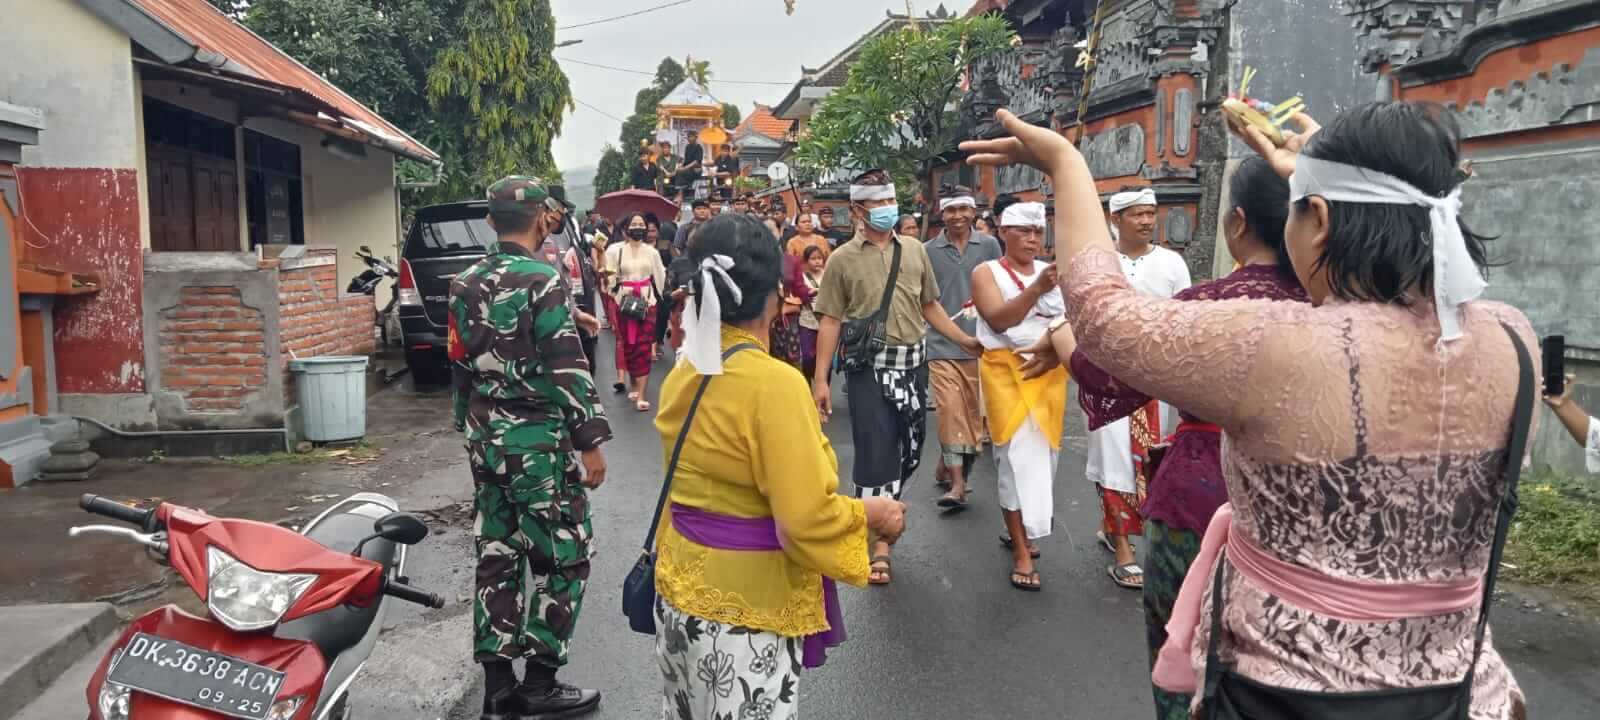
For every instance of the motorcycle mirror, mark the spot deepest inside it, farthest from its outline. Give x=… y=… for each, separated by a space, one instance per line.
x=403 y=528
x=366 y=249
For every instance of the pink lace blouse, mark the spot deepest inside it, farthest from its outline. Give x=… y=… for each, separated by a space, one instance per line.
x=1354 y=446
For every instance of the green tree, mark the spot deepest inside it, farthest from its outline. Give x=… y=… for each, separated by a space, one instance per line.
x=611 y=174
x=232 y=8
x=496 y=80
x=700 y=70
x=730 y=116
x=894 y=111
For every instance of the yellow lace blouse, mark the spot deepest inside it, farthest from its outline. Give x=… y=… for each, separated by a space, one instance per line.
x=756 y=449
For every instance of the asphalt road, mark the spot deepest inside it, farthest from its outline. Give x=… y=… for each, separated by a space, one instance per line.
x=950 y=638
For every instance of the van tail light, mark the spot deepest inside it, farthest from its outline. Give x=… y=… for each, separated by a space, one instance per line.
x=407 y=286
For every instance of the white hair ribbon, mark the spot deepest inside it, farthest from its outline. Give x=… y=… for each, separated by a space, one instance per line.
x=702 y=322
x=958 y=201
x=1456 y=278
x=863 y=193
x=1124 y=200
x=1023 y=214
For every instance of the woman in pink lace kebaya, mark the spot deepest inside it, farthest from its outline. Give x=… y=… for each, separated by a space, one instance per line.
x=1365 y=433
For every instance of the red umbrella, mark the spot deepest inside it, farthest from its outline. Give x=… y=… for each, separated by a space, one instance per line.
x=620 y=203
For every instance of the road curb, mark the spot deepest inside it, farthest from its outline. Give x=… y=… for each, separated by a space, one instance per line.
x=47 y=640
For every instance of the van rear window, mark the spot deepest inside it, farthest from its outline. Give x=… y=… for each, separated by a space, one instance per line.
x=469 y=236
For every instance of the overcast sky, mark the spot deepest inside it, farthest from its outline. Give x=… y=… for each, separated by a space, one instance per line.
x=743 y=39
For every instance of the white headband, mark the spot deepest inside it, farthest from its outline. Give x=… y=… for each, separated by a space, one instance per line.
x=1124 y=200
x=702 y=334
x=959 y=201
x=862 y=193
x=1456 y=278
x=1023 y=214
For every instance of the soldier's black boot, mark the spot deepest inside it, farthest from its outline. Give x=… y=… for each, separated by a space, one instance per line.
x=542 y=697
x=500 y=701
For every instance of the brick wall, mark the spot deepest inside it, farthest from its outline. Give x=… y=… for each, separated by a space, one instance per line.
x=315 y=317
x=213 y=351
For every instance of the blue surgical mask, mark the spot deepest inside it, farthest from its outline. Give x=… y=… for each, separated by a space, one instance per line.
x=883 y=218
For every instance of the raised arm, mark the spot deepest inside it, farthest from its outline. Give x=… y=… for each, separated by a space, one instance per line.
x=1189 y=354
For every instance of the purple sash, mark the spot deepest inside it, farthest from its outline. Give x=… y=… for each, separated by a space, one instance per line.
x=725 y=532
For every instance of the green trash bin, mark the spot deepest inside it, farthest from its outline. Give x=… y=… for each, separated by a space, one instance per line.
x=333 y=396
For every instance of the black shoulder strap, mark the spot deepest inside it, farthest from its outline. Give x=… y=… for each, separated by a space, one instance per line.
x=894 y=275
x=677 y=447
x=1520 y=422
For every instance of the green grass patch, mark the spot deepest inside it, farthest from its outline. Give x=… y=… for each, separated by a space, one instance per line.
x=1555 y=537
x=357 y=453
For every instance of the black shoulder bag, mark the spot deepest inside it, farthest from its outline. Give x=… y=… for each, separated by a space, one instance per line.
x=861 y=340
x=1230 y=696
x=639 y=589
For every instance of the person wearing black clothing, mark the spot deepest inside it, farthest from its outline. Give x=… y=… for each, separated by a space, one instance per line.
x=645 y=172
x=835 y=234
x=727 y=170
x=689 y=168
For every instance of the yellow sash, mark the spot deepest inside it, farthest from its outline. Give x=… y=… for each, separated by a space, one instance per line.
x=1010 y=399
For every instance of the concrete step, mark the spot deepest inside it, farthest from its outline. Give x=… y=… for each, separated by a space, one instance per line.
x=46 y=641
x=65 y=697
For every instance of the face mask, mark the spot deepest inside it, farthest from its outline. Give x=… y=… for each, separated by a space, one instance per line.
x=883 y=218
x=637 y=233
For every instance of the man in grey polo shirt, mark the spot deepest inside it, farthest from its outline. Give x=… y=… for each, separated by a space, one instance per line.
x=952 y=371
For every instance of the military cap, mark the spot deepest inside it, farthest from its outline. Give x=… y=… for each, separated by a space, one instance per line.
x=522 y=195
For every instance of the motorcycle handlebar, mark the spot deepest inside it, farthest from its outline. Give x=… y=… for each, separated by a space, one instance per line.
x=410 y=594
x=114 y=510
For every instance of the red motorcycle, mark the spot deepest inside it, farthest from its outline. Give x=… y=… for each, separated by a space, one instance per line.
x=292 y=616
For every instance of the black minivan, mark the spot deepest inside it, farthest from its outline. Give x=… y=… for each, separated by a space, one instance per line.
x=443 y=241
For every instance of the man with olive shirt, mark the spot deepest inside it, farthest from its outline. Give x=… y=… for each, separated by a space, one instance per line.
x=888 y=397
x=525 y=399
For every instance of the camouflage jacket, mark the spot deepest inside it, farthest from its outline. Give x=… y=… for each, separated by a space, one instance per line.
x=521 y=380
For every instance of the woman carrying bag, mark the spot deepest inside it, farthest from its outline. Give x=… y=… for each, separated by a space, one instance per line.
x=639 y=273
x=1368 y=435
x=754 y=533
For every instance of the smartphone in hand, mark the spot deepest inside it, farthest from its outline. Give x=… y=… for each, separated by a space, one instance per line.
x=1554 y=347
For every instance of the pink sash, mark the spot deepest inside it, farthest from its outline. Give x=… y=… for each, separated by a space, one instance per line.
x=1307 y=589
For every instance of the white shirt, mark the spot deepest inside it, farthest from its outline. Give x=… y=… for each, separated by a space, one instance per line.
x=1032 y=327
x=1591 y=450
x=1162 y=273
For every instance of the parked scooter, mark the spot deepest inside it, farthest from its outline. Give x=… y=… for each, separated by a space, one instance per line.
x=292 y=617
x=367 y=284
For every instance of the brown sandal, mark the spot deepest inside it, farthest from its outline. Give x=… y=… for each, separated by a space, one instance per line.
x=1033 y=550
x=880 y=569
x=1028 y=581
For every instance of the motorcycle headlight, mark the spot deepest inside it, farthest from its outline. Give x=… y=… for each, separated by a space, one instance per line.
x=114 y=701
x=245 y=598
x=285 y=709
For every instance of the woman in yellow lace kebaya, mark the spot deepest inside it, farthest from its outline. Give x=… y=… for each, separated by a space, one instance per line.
x=755 y=532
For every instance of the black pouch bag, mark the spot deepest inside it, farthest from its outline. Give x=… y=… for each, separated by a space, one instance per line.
x=639 y=589
x=1231 y=696
x=861 y=340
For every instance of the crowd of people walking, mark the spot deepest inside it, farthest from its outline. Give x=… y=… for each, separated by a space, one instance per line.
x=1321 y=528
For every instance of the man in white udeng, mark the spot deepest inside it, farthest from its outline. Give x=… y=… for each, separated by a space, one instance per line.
x=1016 y=298
x=1117 y=451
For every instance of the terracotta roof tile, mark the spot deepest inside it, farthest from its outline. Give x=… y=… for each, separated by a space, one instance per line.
x=201 y=24
x=762 y=120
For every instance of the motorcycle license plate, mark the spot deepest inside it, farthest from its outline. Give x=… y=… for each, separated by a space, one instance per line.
x=183 y=673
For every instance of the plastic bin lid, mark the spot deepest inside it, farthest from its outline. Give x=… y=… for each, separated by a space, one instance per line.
x=326 y=360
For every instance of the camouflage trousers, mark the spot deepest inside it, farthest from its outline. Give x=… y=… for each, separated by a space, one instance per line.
x=532 y=533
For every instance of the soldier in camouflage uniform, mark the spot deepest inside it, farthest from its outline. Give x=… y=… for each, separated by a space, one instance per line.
x=524 y=397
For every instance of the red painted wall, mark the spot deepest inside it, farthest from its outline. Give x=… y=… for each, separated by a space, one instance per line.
x=87 y=220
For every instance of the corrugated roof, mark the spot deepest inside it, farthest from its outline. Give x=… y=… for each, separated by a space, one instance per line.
x=207 y=28
x=762 y=120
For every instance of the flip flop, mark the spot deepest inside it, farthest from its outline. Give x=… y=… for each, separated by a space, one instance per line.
x=883 y=572
x=952 y=503
x=1122 y=575
x=1028 y=582
x=1033 y=550
x=619 y=387
x=1105 y=542
x=642 y=406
